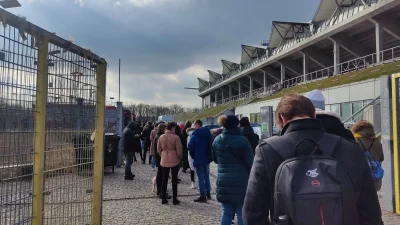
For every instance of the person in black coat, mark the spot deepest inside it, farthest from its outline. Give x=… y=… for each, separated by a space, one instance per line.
x=296 y=114
x=248 y=132
x=146 y=141
x=185 y=161
x=131 y=145
x=331 y=121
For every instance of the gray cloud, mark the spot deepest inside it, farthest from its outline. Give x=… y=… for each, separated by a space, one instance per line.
x=157 y=39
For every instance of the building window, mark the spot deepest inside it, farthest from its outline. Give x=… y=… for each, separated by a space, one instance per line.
x=355 y=107
x=345 y=110
x=335 y=108
x=328 y=108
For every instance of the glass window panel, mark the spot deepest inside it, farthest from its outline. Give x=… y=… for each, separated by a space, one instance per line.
x=335 y=108
x=356 y=106
x=345 y=110
x=327 y=107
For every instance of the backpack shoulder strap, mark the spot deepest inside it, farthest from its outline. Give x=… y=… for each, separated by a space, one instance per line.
x=281 y=143
x=327 y=143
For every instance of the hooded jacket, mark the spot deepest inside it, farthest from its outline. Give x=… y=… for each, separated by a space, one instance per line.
x=132 y=138
x=332 y=124
x=258 y=204
x=253 y=138
x=232 y=175
x=365 y=137
x=200 y=146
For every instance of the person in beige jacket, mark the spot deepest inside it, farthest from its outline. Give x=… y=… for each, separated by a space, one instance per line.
x=169 y=147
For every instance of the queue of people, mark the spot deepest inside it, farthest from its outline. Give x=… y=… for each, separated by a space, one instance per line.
x=333 y=174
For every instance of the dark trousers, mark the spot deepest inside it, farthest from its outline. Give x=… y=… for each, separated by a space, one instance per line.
x=159 y=178
x=128 y=165
x=146 y=148
x=192 y=175
x=174 y=174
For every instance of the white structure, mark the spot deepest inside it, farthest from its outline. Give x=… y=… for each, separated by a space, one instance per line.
x=343 y=36
x=344 y=100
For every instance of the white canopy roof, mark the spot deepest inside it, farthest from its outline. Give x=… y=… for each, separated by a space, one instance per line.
x=285 y=30
x=327 y=8
x=213 y=76
x=250 y=52
x=227 y=66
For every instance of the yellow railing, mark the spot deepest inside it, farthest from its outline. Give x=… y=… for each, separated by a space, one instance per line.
x=52 y=98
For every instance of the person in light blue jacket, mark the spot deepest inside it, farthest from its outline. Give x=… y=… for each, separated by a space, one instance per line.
x=234 y=155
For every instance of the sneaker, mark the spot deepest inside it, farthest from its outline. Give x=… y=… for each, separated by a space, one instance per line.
x=201 y=199
x=233 y=222
x=152 y=169
x=128 y=178
x=164 y=201
x=176 y=201
x=143 y=162
x=193 y=186
x=209 y=196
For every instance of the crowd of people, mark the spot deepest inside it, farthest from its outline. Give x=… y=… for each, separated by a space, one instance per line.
x=315 y=172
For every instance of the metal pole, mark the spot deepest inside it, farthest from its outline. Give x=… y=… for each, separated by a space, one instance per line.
x=119 y=80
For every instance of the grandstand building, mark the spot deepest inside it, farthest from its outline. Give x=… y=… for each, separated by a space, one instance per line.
x=343 y=36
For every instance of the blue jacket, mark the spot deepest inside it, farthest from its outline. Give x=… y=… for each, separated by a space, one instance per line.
x=232 y=175
x=200 y=146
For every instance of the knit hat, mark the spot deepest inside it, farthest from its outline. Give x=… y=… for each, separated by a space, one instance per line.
x=228 y=122
x=316 y=98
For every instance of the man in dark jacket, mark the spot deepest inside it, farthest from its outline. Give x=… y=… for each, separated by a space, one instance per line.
x=331 y=121
x=146 y=141
x=131 y=144
x=248 y=132
x=295 y=113
x=200 y=151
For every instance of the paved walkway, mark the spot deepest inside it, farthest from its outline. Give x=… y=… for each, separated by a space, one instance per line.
x=132 y=202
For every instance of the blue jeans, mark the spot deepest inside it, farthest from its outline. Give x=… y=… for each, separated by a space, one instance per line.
x=129 y=162
x=203 y=179
x=228 y=212
x=153 y=161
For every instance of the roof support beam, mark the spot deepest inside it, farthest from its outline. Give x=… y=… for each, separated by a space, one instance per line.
x=272 y=73
x=388 y=24
x=292 y=66
x=317 y=56
x=349 y=44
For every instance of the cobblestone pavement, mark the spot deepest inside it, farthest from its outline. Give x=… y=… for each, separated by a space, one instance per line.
x=132 y=202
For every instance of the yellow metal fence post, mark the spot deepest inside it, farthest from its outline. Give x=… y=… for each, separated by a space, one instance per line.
x=40 y=132
x=395 y=106
x=99 y=145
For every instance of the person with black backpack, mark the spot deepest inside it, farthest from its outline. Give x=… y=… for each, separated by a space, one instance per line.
x=307 y=176
x=234 y=156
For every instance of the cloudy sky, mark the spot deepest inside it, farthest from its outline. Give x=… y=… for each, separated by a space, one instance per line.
x=164 y=44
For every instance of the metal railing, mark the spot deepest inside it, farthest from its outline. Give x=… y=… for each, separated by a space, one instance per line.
x=370 y=112
x=387 y=56
x=53 y=92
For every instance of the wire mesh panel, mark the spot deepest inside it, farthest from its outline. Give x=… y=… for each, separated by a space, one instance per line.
x=17 y=97
x=52 y=96
x=70 y=121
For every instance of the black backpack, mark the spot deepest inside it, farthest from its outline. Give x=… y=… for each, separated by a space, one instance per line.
x=313 y=189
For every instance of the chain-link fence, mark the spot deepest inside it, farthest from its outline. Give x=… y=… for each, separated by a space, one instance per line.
x=52 y=98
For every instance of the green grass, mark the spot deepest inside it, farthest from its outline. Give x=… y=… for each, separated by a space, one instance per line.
x=352 y=77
